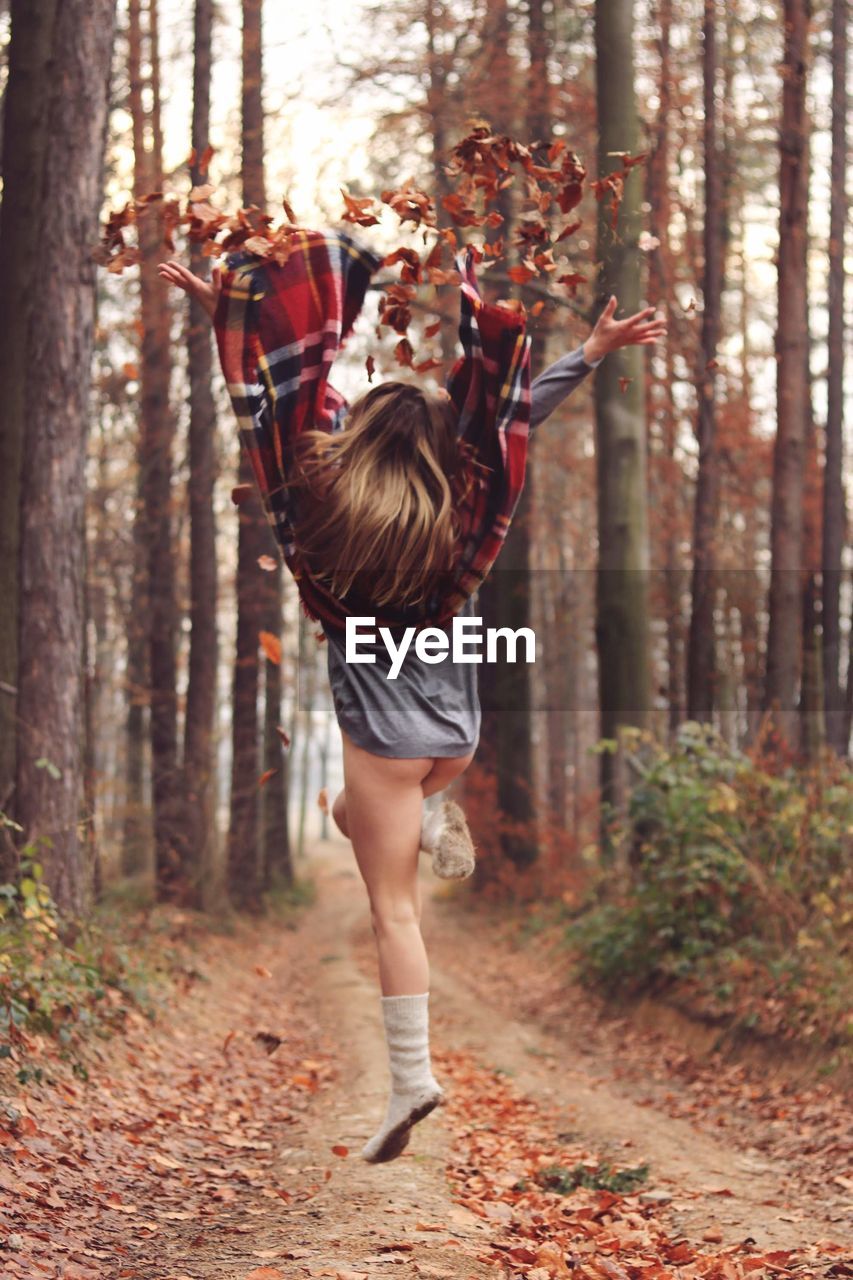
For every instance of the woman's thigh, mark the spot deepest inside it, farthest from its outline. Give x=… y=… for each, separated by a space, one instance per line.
x=384 y=811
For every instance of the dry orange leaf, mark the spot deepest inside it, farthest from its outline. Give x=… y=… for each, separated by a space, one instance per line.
x=340 y=1150
x=271 y=646
x=268 y=563
x=265 y=777
x=240 y=493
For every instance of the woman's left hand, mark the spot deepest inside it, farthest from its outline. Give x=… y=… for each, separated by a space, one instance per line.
x=206 y=293
x=642 y=329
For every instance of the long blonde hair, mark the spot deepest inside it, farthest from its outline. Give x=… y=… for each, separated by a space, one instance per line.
x=374 y=501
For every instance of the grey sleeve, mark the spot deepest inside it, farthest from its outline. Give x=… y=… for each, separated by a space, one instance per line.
x=558 y=381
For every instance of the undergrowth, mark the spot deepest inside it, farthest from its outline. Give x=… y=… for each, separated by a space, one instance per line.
x=735 y=890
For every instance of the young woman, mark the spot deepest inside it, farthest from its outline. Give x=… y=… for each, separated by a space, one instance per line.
x=395 y=510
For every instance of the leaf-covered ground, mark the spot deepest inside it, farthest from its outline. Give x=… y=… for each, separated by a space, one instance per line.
x=223 y=1140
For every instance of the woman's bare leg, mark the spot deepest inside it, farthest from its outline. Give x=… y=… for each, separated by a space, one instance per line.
x=383 y=815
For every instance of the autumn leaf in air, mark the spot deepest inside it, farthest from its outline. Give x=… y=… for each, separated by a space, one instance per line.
x=271 y=646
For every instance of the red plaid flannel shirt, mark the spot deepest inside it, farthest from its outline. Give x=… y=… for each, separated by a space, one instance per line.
x=278 y=331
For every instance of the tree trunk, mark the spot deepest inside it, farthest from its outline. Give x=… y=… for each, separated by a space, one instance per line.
x=253 y=614
x=136 y=835
x=834 y=503
x=622 y=609
x=199 y=759
x=59 y=346
x=785 y=621
x=701 y=667
x=157 y=431
x=26 y=140
x=275 y=841
x=660 y=291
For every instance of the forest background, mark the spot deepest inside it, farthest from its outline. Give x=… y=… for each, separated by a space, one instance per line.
x=669 y=787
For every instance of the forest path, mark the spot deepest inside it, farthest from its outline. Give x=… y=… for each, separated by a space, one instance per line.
x=193 y=1152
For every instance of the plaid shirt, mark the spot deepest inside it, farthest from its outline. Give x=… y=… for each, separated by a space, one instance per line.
x=278 y=330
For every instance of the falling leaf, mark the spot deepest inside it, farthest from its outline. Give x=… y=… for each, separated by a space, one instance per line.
x=288 y=209
x=262 y=971
x=370 y=366
x=265 y=777
x=624 y=384
x=359 y=211
x=403 y=352
x=283 y=735
x=572 y=280
x=269 y=1040
x=426 y=365
x=240 y=493
x=339 y=1150
x=130 y=371
x=520 y=274
x=271 y=646
x=432 y=329
x=712 y=364
x=268 y=563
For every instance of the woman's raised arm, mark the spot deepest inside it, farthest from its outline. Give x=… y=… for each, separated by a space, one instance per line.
x=562 y=377
x=205 y=292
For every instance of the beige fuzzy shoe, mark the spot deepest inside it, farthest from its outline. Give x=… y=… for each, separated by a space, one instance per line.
x=445 y=836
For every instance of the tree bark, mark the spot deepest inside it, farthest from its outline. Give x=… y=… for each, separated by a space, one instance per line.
x=156 y=439
x=658 y=197
x=253 y=612
x=834 y=500
x=785 y=621
x=26 y=141
x=275 y=837
x=701 y=664
x=52 y=549
x=622 y=609
x=199 y=758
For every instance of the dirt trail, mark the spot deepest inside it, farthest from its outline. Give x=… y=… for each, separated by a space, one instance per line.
x=234 y=1174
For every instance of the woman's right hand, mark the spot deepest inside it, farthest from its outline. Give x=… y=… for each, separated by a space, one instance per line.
x=206 y=293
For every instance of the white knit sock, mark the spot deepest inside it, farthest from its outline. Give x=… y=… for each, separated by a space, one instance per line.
x=414 y=1090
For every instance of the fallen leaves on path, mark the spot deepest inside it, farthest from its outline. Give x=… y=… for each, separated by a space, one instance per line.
x=504 y=1141
x=172 y=1147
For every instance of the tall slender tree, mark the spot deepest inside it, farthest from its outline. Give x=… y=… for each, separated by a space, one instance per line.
x=256 y=610
x=199 y=760
x=834 y=501
x=784 y=637
x=156 y=442
x=622 y=608
x=700 y=653
x=59 y=341
x=26 y=142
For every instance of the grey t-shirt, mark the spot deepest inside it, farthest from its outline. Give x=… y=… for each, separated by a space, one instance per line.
x=429 y=709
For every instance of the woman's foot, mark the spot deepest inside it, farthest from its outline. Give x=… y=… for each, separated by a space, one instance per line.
x=445 y=835
x=414 y=1089
x=403 y=1113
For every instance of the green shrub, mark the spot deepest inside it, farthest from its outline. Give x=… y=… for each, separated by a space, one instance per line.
x=51 y=984
x=735 y=874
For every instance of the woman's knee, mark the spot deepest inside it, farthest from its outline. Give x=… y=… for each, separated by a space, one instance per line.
x=389 y=914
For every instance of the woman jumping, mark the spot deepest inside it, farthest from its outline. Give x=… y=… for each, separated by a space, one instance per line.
x=393 y=509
